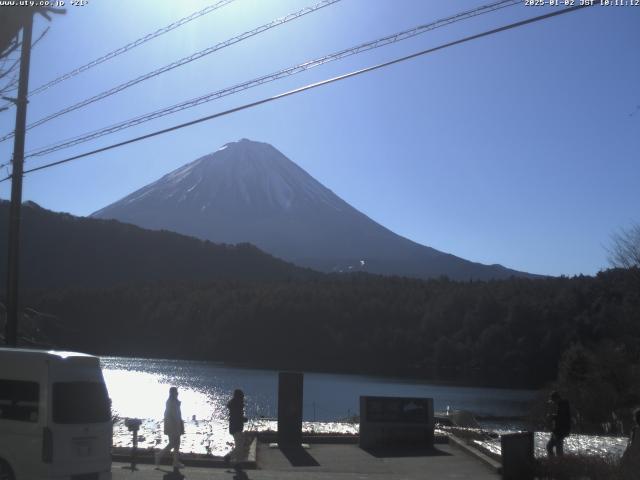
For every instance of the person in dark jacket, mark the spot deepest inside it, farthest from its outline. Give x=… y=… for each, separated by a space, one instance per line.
x=236 y=424
x=630 y=462
x=561 y=425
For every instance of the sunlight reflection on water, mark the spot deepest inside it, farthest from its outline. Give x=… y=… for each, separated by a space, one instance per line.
x=139 y=389
x=142 y=394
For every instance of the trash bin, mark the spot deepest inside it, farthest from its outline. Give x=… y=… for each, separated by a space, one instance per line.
x=517 y=456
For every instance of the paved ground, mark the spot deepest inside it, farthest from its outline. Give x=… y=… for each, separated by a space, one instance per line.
x=340 y=462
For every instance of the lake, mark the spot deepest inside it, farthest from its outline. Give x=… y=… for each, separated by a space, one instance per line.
x=139 y=388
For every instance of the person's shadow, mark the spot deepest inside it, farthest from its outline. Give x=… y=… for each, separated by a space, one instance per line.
x=240 y=474
x=175 y=475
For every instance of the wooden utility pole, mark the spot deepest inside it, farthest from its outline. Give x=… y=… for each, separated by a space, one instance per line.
x=11 y=329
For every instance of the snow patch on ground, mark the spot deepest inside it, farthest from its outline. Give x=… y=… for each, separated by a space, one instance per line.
x=181 y=173
x=244 y=191
x=280 y=192
x=139 y=196
x=190 y=189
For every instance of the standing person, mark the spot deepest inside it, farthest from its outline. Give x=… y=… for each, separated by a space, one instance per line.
x=173 y=428
x=631 y=459
x=561 y=424
x=236 y=424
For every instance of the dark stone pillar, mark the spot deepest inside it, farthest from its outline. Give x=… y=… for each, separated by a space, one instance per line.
x=290 y=408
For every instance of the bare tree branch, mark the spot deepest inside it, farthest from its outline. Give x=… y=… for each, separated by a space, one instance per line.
x=40 y=37
x=10 y=69
x=625 y=248
x=10 y=49
x=9 y=87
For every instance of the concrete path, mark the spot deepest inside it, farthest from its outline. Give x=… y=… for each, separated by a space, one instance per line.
x=340 y=462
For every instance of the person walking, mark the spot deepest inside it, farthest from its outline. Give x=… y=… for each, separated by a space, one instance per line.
x=236 y=425
x=561 y=425
x=173 y=428
x=630 y=461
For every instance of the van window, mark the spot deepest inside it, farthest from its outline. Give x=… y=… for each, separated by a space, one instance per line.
x=80 y=402
x=19 y=400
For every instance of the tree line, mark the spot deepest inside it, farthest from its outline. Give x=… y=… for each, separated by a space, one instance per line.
x=508 y=332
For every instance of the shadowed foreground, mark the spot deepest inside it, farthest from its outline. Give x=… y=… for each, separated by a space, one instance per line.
x=334 y=462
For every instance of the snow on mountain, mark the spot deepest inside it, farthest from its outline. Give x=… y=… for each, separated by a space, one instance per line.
x=249 y=191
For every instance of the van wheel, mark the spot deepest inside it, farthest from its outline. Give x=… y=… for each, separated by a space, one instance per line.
x=5 y=471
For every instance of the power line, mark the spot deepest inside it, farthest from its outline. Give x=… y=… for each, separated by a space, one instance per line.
x=131 y=45
x=380 y=42
x=179 y=63
x=310 y=86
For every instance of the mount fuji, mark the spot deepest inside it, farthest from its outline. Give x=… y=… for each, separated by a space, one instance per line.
x=249 y=191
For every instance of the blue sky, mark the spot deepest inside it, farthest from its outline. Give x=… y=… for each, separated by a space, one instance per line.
x=520 y=149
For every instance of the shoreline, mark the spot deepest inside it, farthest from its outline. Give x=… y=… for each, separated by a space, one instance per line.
x=429 y=380
x=210 y=439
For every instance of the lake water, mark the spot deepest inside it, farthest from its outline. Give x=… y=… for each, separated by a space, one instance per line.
x=139 y=388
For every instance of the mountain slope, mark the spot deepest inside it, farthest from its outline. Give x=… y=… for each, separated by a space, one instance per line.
x=60 y=250
x=250 y=192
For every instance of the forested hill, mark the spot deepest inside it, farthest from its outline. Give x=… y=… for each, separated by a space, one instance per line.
x=509 y=332
x=60 y=250
x=112 y=288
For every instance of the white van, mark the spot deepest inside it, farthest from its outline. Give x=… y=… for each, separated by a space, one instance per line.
x=55 y=416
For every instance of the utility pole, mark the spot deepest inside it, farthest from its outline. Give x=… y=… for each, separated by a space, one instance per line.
x=11 y=329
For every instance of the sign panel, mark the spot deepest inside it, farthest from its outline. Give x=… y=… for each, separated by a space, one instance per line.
x=395 y=421
x=398 y=410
